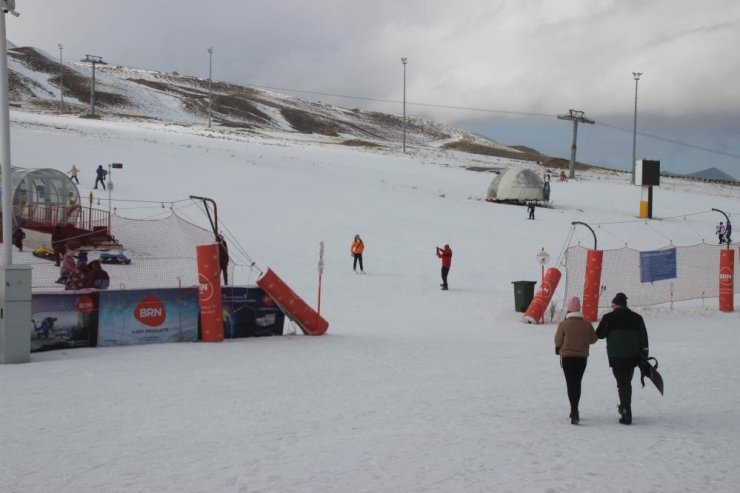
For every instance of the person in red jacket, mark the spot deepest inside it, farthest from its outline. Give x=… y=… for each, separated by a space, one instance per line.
x=356 y=251
x=446 y=255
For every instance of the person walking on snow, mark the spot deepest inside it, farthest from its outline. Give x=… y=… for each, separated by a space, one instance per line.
x=572 y=338
x=356 y=251
x=626 y=342
x=73 y=174
x=100 y=176
x=18 y=237
x=445 y=254
x=530 y=209
x=721 y=232
x=223 y=258
x=728 y=233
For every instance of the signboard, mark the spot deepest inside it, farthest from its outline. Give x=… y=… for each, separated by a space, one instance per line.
x=658 y=265
x=144 y=317
x=63 y=320
x=250 y=312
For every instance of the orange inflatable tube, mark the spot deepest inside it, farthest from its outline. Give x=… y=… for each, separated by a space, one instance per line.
x=310 y=322
x=209 y=293
x=592 y=285
x=726 y=280
x=536 y=310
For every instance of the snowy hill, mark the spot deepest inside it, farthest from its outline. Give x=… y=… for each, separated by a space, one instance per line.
x=413 y=388
x=712 y=174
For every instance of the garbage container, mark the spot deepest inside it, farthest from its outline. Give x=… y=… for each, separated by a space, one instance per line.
x=523 y=294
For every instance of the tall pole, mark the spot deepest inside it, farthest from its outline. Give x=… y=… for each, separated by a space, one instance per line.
x=576 y=117
x=5 y=144
x=403 y=60
x=94 y=60
x=636 y=75
x=61 y=80
x=210 y=72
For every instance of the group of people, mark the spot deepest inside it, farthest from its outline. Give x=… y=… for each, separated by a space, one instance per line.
x=626 y=343
x=357 y=248
x=724 y=232
x=76 y=273
x=100 y=174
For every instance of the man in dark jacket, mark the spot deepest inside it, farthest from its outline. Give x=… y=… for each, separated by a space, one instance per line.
x=626 y=342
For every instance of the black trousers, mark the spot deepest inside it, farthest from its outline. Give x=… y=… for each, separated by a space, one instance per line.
x=623 y=375
x=445 y=271
x=358 y=258
x=573 y=369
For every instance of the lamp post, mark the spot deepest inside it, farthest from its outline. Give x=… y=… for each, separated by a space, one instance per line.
x=94 y=60
x=110 y=189
x=210 y=71
x=636 y=75
x=61 y=80
x=7 y=199
x=403 y=60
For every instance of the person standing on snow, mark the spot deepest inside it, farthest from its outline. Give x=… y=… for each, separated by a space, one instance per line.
x=721 y=232
x=18 y=237
x=530 y=209
x=223 y=258
x=358 y=246
x=626 y=342
x=572 y=338
x=100 y=176
x=446 y=255
x=73 y=174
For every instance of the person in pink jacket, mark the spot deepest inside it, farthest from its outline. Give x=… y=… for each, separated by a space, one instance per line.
x=572 y=339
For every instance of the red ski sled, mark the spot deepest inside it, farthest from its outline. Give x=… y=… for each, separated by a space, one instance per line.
x=310 y=322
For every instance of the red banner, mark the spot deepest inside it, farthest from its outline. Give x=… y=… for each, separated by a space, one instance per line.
x=726 y=279
x=592 y=285
x=209 y=293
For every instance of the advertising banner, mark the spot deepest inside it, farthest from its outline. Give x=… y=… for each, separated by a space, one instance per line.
x=209 y=293
x=63 y=320
x=148 y=316
x=250 y=312
x=658 y=265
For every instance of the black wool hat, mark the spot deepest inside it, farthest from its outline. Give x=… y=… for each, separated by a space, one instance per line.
x=620 y=299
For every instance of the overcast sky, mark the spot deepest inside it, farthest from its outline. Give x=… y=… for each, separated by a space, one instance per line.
x=518 y=63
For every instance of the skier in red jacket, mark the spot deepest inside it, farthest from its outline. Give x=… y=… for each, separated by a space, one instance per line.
x=446 y=255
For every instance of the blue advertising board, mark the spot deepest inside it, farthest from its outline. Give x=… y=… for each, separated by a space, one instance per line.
x=148 y=316
x=63 y=320
x=250 y=312
x=658 y=265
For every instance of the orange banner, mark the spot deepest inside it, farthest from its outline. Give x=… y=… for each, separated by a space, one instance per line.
x=726 y=280
x=592 y=285
x=537 y=308
x=209 y=293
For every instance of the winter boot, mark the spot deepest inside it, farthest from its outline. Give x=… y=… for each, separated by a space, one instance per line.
x=626 y=414
x=574 y=418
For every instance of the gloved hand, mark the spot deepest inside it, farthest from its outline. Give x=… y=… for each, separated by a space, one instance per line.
x=645 y=352
x=557 y=349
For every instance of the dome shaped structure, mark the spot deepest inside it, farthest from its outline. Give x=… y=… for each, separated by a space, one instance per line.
x=43 y=198
x=517 y=184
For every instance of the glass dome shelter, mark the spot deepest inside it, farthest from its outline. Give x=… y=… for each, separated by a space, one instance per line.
x=45 y=198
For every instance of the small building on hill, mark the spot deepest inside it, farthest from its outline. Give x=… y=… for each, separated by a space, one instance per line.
x=518 y=184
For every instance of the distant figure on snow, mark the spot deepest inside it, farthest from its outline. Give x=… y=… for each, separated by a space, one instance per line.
x=18 y=236
x=100 y=174
x=728 y=233
x=572 y=338
x=223 y=258
x=76 y=279
x=356 y=251
x=58 y=241
x=445 y=254
x=721 y=232
x=530 y=209
x=73 y=174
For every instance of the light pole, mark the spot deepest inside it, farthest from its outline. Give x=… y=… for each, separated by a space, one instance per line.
x=94 y=60
x=7 y=199
x=61 y=80
x=636 y=75
x=210 y=71
x=403 y=60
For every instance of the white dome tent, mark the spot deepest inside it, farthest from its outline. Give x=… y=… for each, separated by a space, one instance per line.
x=518 y=184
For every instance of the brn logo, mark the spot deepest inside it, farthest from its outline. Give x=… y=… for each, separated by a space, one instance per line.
x=150 y=311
